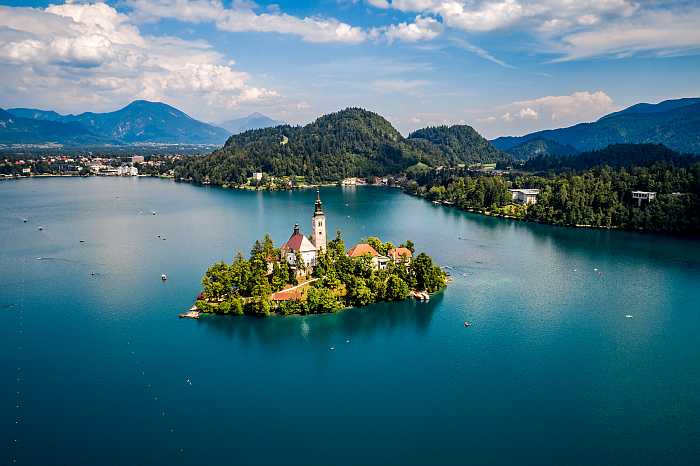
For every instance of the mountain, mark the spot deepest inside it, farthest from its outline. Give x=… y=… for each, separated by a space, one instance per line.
x=351 y=142
x=536 y=147
x=459 y=143
x=615 y=156
x=17 y=130
x=673 y=123
x=139 y=122
x=253 y=121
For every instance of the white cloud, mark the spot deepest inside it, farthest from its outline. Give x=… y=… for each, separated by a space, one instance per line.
x=658 y=32
x=528 y=113
x=423 y=28
x=241 y=17
x=74 y=55
x=575 y=29
x=578 y=106
x=463 y=44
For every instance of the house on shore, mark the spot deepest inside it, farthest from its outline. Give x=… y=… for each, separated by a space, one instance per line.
x=400 y=255
x=379 y=262
x=643 y=196
x=524 y=196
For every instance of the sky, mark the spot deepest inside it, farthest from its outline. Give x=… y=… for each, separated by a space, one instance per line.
x=505 y=67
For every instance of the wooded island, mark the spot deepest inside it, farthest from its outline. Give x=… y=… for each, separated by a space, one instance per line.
x=313 y=276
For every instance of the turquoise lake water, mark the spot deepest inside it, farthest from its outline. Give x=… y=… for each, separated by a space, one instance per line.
x=97 y=369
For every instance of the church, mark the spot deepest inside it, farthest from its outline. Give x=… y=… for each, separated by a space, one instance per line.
x=307 y=248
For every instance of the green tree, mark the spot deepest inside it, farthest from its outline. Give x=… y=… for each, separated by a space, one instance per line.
x=396 y=288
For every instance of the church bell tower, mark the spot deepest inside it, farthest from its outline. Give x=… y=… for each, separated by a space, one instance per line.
x=318 y=226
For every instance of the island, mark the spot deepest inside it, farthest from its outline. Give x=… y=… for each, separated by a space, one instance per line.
x=311 y=275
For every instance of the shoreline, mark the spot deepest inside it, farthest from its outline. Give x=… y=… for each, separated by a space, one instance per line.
x=410 y=297
x=476 y=211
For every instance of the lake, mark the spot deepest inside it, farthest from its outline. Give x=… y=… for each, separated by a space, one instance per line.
x=97 y=368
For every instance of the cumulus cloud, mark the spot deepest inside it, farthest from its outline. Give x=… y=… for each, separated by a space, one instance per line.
x=528 y=113
x=73 y=55
x=423 y=28
x=576 y=107
x=554 y=111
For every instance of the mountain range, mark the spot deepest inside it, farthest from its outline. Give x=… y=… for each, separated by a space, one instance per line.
x=253 y=121
x=351 y=142
x=673 y=123
x=139 y=122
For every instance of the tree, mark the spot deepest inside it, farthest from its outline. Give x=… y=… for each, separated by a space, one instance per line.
x=427 y=276
x=217 y=281
x=320 y=300
x=359 y=293
x=396 y=289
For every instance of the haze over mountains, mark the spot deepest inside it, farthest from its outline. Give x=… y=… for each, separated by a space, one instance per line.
x=673 y=123
x=253 y=121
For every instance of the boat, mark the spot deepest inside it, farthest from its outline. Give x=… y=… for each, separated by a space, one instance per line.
x=163 y=277
x=467 y=324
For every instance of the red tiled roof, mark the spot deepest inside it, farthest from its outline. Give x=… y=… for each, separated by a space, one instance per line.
x=285 y=295
x=362 y=249
x=398 y=253
x=294 y=242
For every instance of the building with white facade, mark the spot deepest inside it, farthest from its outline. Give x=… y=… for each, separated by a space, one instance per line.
x=524 y=196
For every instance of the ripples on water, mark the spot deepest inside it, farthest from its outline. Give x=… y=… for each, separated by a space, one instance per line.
x=552 y=371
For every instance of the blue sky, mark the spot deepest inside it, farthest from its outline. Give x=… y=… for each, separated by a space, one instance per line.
x=502 y=66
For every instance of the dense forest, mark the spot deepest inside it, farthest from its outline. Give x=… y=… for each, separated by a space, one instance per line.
x=597 y=196
x=616 y=156
x=337 y=281
x=351 y=142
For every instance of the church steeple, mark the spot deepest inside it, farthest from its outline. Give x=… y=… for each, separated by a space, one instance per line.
x=318 y=224
x=319 y=204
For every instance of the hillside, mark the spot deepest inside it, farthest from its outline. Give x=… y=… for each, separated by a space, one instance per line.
x=253 y=121
x=459 y=143
x=538 y=147
x=17 y=130
x=351 y=142
x=615 y=156
x=139 y=122
x=673 y=123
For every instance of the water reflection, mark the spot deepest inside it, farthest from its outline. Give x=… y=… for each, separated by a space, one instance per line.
x=354 y=324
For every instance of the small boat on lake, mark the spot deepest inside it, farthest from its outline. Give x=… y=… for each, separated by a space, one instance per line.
x=467 y=324
x=163 y=277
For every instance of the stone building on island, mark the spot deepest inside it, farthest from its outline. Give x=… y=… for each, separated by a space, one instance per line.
x=307 y=248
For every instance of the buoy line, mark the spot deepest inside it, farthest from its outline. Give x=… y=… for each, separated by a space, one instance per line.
x=151 y=393
x=19 y=374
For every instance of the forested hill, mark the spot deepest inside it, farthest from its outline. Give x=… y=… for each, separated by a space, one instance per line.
x=351 y=142
x=616 y=156
x=459 y=143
